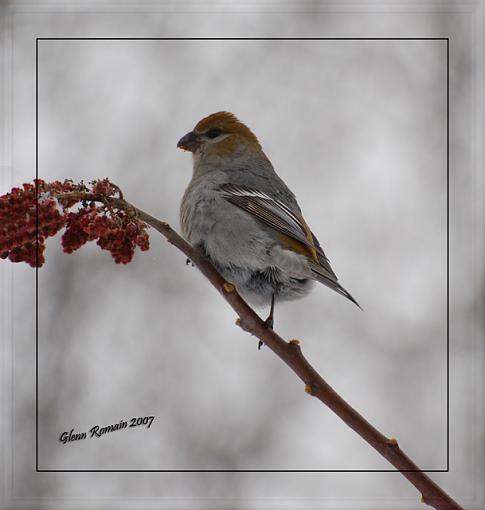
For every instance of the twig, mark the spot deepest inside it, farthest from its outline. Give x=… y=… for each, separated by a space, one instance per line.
x=290 y=353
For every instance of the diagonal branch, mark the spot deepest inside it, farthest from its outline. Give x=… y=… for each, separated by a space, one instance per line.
x=291 y=354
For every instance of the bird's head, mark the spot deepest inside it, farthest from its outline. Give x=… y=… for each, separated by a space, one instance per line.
x=219 y=135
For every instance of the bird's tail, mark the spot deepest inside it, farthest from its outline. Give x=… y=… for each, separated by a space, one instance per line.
x=324 y=277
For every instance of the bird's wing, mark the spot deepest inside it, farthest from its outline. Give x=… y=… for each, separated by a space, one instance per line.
x=295 y=233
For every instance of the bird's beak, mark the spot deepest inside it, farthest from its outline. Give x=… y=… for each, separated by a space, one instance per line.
x=189 y=142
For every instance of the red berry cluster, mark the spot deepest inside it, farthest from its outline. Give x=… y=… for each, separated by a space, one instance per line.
x=104 y=187
x=116 y=232
x=26 y=222
x=30 y=214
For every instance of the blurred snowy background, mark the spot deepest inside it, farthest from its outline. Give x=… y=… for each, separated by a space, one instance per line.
x=359 y=133
x=357 y=129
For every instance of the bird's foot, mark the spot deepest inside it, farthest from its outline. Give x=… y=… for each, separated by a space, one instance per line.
x=269 y=323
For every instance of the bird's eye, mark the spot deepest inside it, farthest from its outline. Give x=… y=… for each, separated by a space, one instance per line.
x=213 y=132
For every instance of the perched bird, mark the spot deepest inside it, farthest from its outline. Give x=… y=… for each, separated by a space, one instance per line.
x=246 y=220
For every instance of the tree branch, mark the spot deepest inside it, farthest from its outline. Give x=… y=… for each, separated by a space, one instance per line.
x=290 y=353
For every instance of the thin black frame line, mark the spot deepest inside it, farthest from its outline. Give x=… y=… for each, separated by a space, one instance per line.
x=240 y=471
x=37 y=257
x=242 y=38
x=447 y=254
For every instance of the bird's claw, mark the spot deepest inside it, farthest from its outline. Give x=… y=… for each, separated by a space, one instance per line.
x=269 y=322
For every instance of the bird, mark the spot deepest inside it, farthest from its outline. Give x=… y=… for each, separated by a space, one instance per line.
x=246 y=220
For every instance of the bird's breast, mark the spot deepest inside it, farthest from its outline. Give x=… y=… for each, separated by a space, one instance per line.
x=228 y=234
